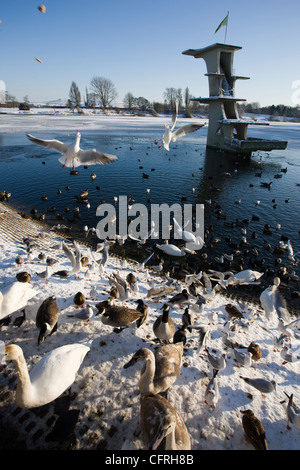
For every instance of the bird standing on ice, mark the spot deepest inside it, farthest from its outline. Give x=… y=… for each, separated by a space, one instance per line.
x=73 y=156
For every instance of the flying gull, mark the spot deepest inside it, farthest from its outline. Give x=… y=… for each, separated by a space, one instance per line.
x=73 y=156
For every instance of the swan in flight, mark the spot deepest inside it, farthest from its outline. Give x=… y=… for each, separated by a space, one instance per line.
x=171 y=136
x=73 y=156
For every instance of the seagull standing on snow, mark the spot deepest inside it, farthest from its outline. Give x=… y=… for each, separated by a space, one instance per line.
x=73 y=156
x=170 y=136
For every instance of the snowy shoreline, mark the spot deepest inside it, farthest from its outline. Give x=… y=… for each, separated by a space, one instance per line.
x=107 y=395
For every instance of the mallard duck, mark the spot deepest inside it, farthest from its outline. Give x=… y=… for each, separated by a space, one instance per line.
x=46 y=318
x=180 y=334
x=84 y=261
x=161 y=426
x=255 y=350
x=233 y=312
x=254 y=430
x=120 y=316
x=163 y=327
x=180 y=298
x=50 y=376
x=160 y=370
x=79 y=299
x=15 y=297
x=23 y=276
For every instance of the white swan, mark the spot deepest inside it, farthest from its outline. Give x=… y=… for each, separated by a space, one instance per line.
x=14 y=297
x=51 y=375
x=160 y=370
x=160 y=420
x=73 y=156
x=247 y=276
x=173 y=250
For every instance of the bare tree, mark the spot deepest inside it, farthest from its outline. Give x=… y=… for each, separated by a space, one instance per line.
x=173 y=95
x=74 y=95
x=105 y=90
x=129 y=101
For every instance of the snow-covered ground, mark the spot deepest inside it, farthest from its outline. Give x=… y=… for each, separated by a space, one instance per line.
x=107 y=394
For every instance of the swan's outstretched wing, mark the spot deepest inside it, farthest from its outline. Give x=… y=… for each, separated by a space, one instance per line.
x=184 y=130
x=92 y=157
x=50 y=144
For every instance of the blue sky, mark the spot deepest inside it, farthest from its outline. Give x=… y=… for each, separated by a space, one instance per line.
x=139 y=44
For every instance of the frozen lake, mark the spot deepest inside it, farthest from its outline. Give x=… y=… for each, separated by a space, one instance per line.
x=188 y=173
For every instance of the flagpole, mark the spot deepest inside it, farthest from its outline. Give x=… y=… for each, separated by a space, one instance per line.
x=226 y=28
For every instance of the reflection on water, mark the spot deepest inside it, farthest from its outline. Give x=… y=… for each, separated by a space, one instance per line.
x=230 y=188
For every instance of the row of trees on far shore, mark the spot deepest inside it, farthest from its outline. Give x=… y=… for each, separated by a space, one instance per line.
x=102 y=94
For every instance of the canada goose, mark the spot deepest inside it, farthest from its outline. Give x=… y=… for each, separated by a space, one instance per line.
x=161 y=426
x=50 y=376
x=161 y=369
x=121 y=317
x=163 y=327
x=46 y=318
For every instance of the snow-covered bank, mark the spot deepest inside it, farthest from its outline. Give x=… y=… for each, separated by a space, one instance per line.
x=106 y=394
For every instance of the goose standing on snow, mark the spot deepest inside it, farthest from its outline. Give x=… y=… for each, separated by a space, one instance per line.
x=73 y=156
x=46 y=318
x=161 y=426
x=15 y=297
x=50 y=376
x=160 y=370
x=163 y=327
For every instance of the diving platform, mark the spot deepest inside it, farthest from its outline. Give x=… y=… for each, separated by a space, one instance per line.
x=226 y=129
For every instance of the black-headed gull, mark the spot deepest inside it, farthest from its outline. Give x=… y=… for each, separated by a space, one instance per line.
x=171 y=136
x=73 y=156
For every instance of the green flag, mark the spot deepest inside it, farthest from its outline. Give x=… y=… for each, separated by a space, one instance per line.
x=223 y=23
